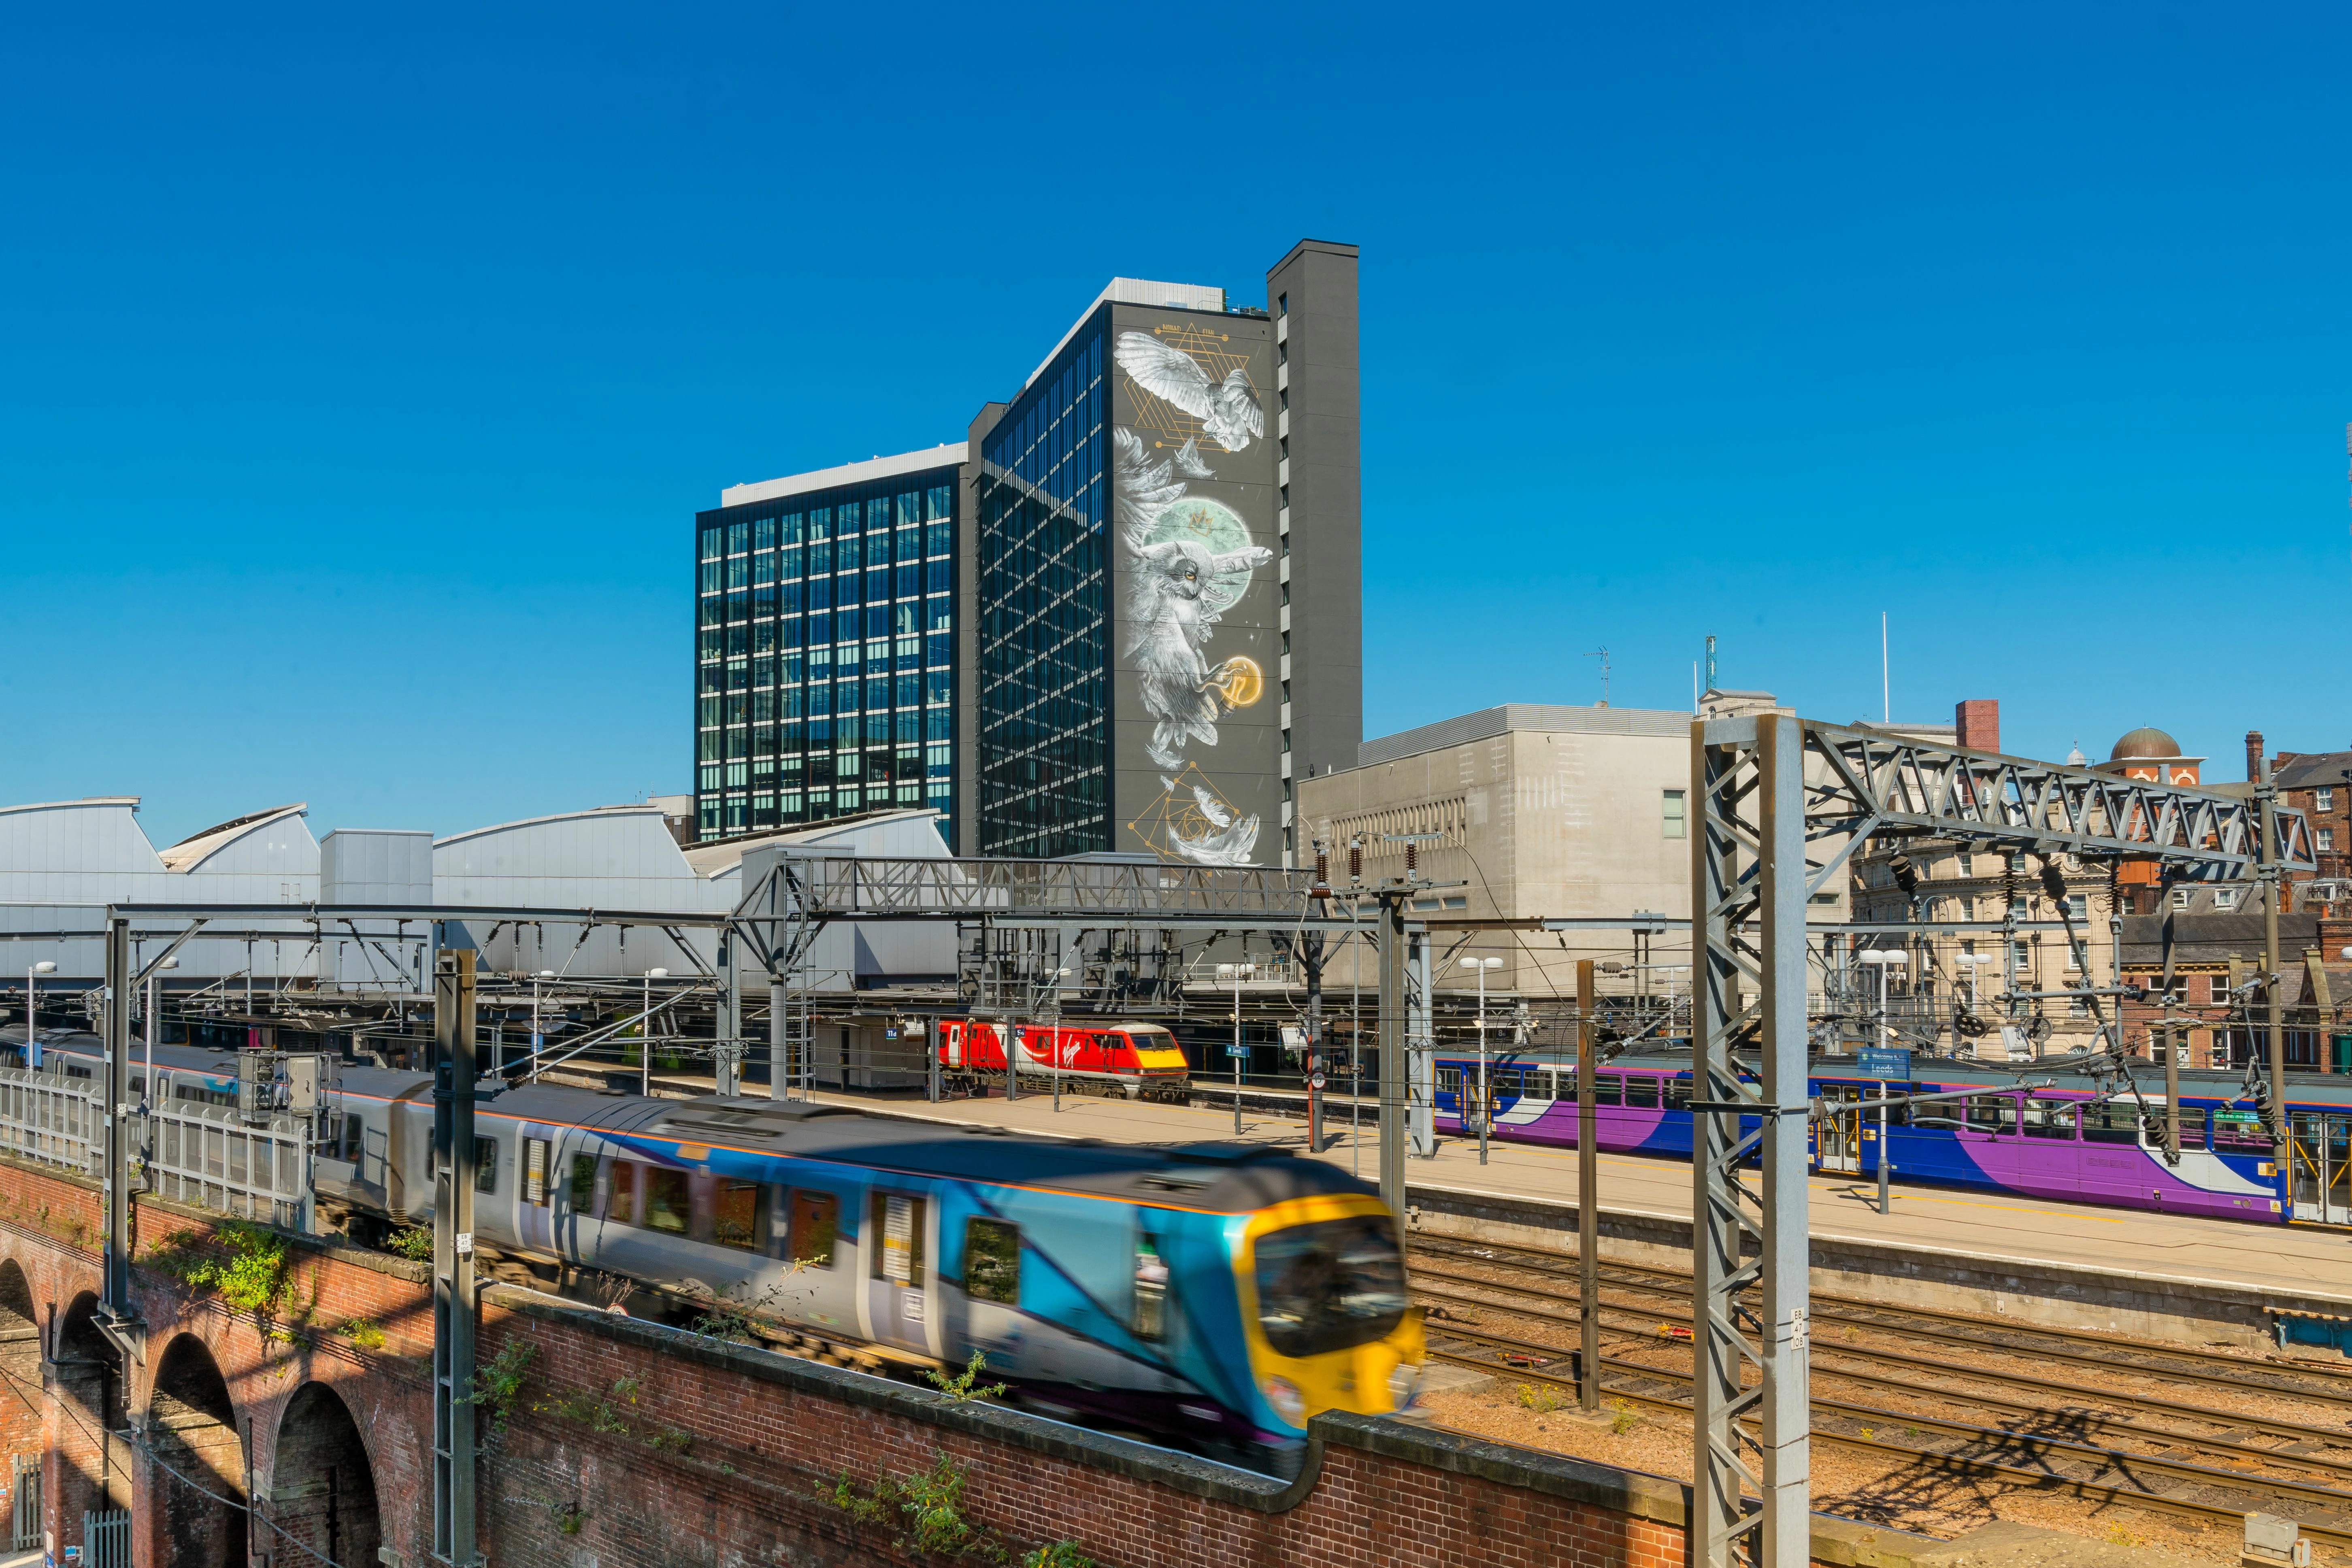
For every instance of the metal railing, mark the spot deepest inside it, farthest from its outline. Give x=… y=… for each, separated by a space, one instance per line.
x=205 y=1157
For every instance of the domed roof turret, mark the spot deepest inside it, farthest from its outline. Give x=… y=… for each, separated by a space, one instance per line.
x=2145 y=741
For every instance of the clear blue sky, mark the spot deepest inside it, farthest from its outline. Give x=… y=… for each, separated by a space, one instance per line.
x=365 y=365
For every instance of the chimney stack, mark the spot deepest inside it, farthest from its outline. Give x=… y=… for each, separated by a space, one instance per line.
x=2253 y=756
x=1978 y=722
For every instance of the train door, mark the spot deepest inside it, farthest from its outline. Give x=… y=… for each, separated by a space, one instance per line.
x=2323 y=1167
x=1838 y=1134
x=898 y=1253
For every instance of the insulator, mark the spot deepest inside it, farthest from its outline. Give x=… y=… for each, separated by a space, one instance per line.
x=1355 y=859
x=1412 y=857
x=1322 y=865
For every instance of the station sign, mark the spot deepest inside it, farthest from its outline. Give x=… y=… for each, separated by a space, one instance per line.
x=1874 y=1062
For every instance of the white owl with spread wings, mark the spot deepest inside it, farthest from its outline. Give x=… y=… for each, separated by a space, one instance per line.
x=1170 y=609
x=1228 y=410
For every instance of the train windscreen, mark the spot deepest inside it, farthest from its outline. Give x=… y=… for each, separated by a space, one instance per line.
x=1330 y=1285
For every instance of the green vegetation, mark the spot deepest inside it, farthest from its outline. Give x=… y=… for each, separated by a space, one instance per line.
x=1624 y=1417
x=963 y=1386
x=497 y=1385
x=1539 y=1400
x=244 y=1264
x=930 y=1505
x=411 y=1243
x=364 y=1332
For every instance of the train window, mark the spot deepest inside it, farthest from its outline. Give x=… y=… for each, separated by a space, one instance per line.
x=668 y=1199
x=1994 y=1113
x=2050 y=1118
x=896 y=1238
x=1564 y=1085
x=1678 y=1093
x=2111 y=1121
x=354 y=1138
x=486 y=1165
x=816 y=1221
x=1504 y=1083
x=992 y=1261
x=1449 y=1081
x=735 y=1213
x=1329 y=1285
x=1642 y=1091
x=1150 y=1290
x=584 y=1184
x=2240 y=1131
x=1608 y=1088
x=623 y=1204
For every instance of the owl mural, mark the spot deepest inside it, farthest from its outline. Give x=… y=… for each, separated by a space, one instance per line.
x=1189 y=559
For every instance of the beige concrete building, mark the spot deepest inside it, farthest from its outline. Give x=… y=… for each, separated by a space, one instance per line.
x=1539 y=811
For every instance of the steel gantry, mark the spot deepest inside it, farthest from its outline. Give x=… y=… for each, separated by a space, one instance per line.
x=1783 y=804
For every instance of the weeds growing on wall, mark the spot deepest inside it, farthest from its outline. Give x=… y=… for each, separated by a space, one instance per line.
x=364 y=1332
x=498 y=1382
x=411 y=1243
x=964 y=1385
x=927 y=1508
x=244 y=1264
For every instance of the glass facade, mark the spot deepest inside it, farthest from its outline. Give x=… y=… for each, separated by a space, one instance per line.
x=825 y=656
x=1043 y=718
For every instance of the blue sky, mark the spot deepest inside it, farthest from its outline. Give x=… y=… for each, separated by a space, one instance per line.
x=363 y=366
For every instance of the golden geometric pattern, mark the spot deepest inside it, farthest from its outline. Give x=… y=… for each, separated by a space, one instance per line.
x=1213 y=348
x=1178 y=810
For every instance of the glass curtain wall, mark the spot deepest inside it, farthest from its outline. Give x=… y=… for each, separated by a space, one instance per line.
x=1044 y=746
x=825 y=659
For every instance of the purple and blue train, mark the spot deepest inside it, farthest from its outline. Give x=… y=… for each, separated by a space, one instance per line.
x=2079 y=1144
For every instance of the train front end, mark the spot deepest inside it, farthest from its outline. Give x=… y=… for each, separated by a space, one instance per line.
x=1155 y=1061
x=1326 y=1312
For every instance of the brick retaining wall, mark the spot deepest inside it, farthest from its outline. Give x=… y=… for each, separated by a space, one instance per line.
x=706 y=1453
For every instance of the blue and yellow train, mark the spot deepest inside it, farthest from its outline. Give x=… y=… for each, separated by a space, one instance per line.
x=1213 y=1296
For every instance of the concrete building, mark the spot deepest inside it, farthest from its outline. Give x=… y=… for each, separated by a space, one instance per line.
x=1537 y=811
x=1135 y=618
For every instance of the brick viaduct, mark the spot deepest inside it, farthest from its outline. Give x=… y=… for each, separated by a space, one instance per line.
x=241 y=1441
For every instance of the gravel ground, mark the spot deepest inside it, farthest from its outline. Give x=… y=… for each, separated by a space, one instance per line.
x=1843 y=1484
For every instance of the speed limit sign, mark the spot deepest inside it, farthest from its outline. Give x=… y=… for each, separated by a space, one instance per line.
x=1316 y=1081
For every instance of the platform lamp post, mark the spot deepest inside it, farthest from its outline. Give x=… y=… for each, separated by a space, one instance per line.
x=646 y=1032
x=33 y=974
x=1054 y=1035
x=1236 y=973
x=1882 y=959
x=1485 y=1103
x=538 y=1030
x=155 y=1027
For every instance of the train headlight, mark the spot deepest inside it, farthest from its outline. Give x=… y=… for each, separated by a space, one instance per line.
x=1404 y=1384
x=1287 y=1402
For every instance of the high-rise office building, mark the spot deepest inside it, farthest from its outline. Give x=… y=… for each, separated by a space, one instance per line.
x=825 y=655
x=1156 y=616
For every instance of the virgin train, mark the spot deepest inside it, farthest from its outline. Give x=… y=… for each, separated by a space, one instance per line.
x=2075 y=1144
x=1138 y=1061
x=1211 y=1296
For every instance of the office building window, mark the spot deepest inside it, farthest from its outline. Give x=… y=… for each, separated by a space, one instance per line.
x=2327 y=800
x=1042 y=747
x=872 y=561
x=1677 y=824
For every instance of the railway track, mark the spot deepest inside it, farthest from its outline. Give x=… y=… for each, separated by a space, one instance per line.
x=2304 y=1382
x=2044 y=1447
x=2041 y=1462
